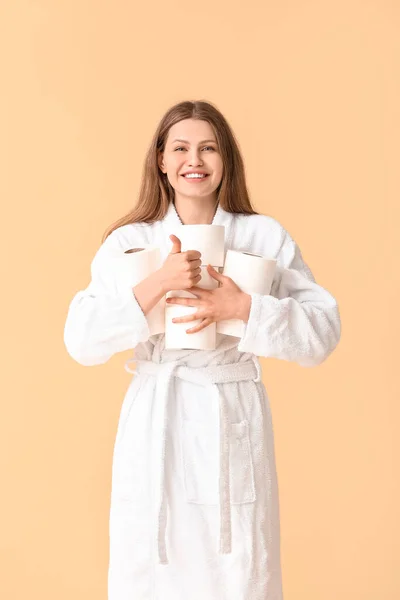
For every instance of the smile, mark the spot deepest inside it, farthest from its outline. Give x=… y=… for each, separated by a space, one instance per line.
x=195 y=178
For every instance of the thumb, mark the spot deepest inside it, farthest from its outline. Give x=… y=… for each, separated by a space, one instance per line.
x=216 y=274
x=176 y=244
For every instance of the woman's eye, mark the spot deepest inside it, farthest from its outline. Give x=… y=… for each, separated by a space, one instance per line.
x=180 y=148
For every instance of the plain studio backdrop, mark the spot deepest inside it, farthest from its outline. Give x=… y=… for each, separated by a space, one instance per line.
x=311 y=90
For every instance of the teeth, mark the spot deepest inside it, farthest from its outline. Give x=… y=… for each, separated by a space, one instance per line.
x=194 y=176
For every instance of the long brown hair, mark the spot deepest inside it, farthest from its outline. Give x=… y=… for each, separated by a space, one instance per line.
x=156 y=192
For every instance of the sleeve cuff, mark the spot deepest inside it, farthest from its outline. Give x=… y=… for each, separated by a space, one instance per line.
x=260 y=304
x=138 y=318
x=250 y=328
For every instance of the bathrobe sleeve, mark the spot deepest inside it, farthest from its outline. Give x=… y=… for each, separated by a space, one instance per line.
x=101 y=321
x=299 y=321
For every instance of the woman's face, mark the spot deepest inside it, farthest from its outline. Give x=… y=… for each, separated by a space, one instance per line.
x=191 y=145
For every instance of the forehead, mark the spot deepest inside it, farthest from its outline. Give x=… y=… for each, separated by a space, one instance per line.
x=191 y=131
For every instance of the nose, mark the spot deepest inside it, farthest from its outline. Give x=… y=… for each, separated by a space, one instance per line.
x=195 y=160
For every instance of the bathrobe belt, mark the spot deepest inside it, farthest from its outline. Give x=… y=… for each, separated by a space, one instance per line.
x=209 y=376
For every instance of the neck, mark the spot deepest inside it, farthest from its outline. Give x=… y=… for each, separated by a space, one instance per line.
x=195 y=211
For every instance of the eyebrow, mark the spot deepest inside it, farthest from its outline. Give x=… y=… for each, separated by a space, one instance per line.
x=186 y=141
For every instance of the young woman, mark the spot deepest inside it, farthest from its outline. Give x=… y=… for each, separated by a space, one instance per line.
x=194 y=504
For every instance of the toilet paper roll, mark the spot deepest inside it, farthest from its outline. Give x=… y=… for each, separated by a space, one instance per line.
x=175 y=333
x=252 y=273
x=209 y=240
x=129 y=268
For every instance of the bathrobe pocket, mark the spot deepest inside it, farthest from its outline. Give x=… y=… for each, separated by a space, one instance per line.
x=200 y=462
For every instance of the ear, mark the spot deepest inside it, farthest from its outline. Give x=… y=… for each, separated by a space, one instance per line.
x=160 y=161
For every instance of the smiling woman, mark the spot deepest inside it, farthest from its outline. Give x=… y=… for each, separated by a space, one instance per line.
x=194 y=509
x=198 y=164
x=191 y=136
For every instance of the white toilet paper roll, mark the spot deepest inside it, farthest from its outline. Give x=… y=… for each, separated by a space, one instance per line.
x=252 y=273
x=129 y=268
x=175 y=333
x=209 y=240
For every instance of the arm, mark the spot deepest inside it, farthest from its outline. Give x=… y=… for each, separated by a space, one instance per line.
x=299 y=321
x=101 y=322
x=149 y=291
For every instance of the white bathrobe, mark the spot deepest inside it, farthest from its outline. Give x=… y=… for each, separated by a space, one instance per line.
x=194 y=509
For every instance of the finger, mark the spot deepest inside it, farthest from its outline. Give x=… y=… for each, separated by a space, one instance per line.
x=176 y=244
x=193 y=254
x=187 y=318
x=215 y=274
x=184 y=301
x=195 y=263
x=195 y=292
x=207 y=321
x=198 y=291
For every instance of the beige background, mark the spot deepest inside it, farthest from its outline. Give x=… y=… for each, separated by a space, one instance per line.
x=311 y=90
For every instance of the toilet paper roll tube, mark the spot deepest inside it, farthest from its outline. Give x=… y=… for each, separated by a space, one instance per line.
x=175 y=333
x=129 y=267
x=252 y=273
x=209 y=240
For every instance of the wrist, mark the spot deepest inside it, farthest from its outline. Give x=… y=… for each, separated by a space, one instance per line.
x=244 y=306
x=159 y=282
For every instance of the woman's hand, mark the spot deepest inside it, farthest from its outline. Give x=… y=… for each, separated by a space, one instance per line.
x=180 y=270
x=225 y=302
